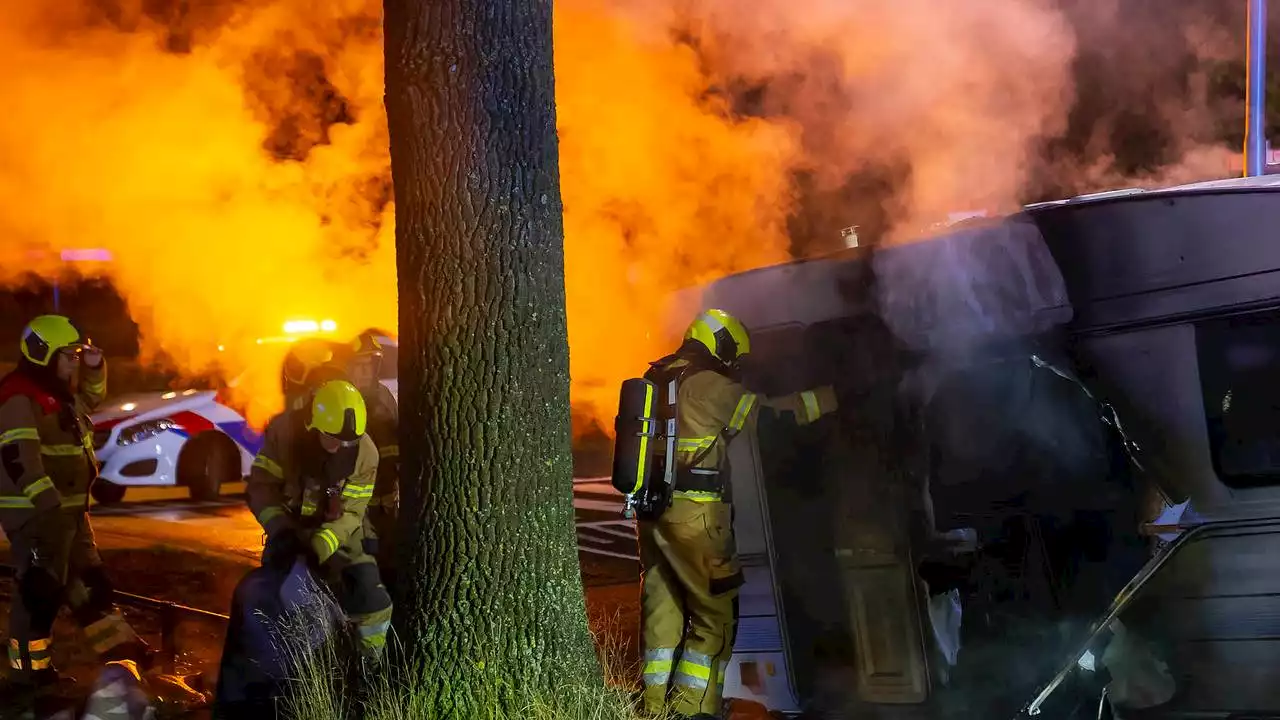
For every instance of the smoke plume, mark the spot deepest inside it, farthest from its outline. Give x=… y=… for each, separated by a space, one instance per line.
x=232 y=154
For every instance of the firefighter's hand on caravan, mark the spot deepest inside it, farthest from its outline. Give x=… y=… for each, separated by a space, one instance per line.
x=811 y=405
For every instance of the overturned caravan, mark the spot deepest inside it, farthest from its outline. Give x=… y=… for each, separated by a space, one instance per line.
x=1020 y=397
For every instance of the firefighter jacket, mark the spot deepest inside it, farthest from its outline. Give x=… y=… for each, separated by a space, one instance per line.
x=711 y=410
x=295 y=485
x=47 y=459
x=384 y=428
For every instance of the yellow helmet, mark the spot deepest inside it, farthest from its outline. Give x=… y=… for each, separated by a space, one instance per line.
x=46 y=335
x=337 y=409
x=721 y=333
x=366 y=343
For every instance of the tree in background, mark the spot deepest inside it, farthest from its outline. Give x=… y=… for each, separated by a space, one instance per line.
x=491 y=589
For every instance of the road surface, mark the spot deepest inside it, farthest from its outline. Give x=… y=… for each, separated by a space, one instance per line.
x=224 y=529
x=162 y=544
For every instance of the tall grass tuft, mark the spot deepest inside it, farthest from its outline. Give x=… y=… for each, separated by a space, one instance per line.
x=327 y=682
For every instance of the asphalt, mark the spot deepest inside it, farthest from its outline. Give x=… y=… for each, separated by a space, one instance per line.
x=223 y=529
x=161 y=543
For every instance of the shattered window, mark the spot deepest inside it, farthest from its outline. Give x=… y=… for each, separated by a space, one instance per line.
x=1240 y=378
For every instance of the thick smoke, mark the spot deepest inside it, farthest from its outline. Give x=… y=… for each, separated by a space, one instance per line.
x=956 y=94
x=232 y=154
x=233 y=158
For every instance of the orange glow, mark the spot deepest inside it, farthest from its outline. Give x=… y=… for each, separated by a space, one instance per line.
x=232 y=155
x=164 y=159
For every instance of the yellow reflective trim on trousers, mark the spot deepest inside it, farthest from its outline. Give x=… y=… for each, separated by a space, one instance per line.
x=357 y=492
x=693 y=670
x=61 y=450
x=374 y=635
x=37 y=487
x=74 y=501
x=308 y=508
x=269 y=513
x=657 y=666
x=694 y=444
x=812 y=411
x=39 y=660
x=330 y=540
x=95 y=387
x=389 y=451
x=18 y=435
x=740 y=413
x=39 y=652
x=271 y=466
x=697 y=495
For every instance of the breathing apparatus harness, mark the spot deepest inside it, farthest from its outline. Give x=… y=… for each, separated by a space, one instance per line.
x=645 y=467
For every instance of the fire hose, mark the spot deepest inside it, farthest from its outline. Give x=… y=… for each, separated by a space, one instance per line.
x=170 y=613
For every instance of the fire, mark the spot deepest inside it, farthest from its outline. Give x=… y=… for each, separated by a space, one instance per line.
x=232 y=156
x=236 y=169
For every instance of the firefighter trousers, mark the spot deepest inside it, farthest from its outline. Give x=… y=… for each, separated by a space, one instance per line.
x=57 y=562
x=379 y=541
x=353 y=577
x=689 y=606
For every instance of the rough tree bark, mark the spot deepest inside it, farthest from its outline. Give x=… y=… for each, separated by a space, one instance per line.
x=491 y=590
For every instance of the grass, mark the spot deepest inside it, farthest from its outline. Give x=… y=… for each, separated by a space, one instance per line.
x=325 y=682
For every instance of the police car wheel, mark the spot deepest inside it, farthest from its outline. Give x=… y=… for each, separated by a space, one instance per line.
x=207 y=461
x=107 y=493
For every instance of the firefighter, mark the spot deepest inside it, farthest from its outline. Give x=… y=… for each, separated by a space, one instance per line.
x=46 y=450
x=691 y=575
x=364 y=369
x=303 y=365
x=309 y=488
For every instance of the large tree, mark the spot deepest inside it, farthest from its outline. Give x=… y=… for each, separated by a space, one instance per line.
x=492 y=592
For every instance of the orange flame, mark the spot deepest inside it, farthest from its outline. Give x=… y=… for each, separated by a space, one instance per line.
x=233 y=156
x=231 y=204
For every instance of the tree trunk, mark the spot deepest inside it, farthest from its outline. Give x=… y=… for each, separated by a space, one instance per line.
x=491 y=591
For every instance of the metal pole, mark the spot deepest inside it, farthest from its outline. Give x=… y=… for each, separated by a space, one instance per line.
x=1255 y=139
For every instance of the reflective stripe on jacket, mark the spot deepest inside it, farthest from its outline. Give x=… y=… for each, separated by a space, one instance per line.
x=46 y=449
x=281 y=498
x=710 y=402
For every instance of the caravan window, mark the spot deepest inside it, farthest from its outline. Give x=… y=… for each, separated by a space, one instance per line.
x=1240 y=377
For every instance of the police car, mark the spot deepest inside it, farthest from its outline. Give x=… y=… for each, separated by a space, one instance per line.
x=189 y=437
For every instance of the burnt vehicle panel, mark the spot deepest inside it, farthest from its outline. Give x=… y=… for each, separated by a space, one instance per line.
x=983 y=376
